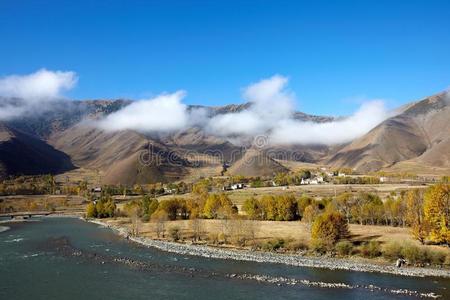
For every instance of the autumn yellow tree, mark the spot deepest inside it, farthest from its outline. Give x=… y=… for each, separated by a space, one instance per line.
x=328 y=228
x=437 y=213
x=415 y=215
x=218 y=206
x=91 y=211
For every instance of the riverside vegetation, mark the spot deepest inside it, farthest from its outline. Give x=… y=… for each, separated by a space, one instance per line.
x=426 y=213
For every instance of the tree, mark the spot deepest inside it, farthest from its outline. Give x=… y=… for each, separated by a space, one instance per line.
x=302 y=203
x=344 y=203
x=415 y=215
x=218 y=206
x=196 y=227
x=91 y=211
x=252 y=208
x=329 y=228
x=148 y=206
x=135 y=221
x=173 y=208
x=268 y=207
x=286 y=208
x=160 y=218
x=437 y=213
x=310 y=214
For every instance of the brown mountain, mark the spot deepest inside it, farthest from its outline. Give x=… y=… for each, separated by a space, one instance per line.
x=21 y=153
x=417 y=137
x=125 y=157
x=419 y=134
x=256 y=163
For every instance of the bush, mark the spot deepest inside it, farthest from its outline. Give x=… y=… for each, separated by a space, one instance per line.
x=319 y=246
x=447 y=261
x=296 y=246
x=371 y=249
x=274 y=245
x=174 y=233
x=414 y=254
x=344 y=248
x=213 y=238
x=392 y=251
x=222 y=238
x=435 y=257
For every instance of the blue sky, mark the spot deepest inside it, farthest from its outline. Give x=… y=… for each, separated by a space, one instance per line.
x=335 y=53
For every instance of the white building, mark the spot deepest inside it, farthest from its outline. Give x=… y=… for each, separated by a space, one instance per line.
x=237 y=186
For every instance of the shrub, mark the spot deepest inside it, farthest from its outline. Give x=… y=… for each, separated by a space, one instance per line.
x=296 y=245
x=371 y=249
x=392 y=251
x=221 y=238
x=447 y=260
x=213 y=238
x=435 y=257
x=319 y=246
x=274 y=245
x=344 y=248
x=145 y=218
x=174 y=233
x=414 y=254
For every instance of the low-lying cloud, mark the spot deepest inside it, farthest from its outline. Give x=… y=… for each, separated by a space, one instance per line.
x=271 y=111
x=21 y=94
x=291 y=131
x=163 y=113
x=270 y=103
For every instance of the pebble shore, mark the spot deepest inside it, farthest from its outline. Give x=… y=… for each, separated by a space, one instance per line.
x=269 y=257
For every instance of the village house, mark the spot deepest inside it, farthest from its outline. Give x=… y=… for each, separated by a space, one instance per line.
x=236 y=186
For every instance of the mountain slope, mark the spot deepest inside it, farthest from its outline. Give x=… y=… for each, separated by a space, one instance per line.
x=419 y=133
x=21 y=153
x=256 y=163
x=124 y=156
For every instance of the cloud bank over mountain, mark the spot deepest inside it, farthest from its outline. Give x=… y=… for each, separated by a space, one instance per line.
x=163 y=113
x=271 y=111
x=21 y=94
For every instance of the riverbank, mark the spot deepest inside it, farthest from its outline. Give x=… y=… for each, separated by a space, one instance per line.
x=269 y=257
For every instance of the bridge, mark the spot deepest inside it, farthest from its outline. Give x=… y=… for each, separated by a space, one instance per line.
x=29 y=214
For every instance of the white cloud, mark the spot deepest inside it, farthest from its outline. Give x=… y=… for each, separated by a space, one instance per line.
x=271 y=112
x=271 y=103
x=163 y=113
x=33 y=92
x=369 y=115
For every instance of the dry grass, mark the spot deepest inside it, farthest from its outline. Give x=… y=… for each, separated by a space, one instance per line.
x=266 y=230
x=411 y=166
x=61 y=204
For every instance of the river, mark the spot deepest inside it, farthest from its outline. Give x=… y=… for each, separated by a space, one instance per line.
x=66 y=258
